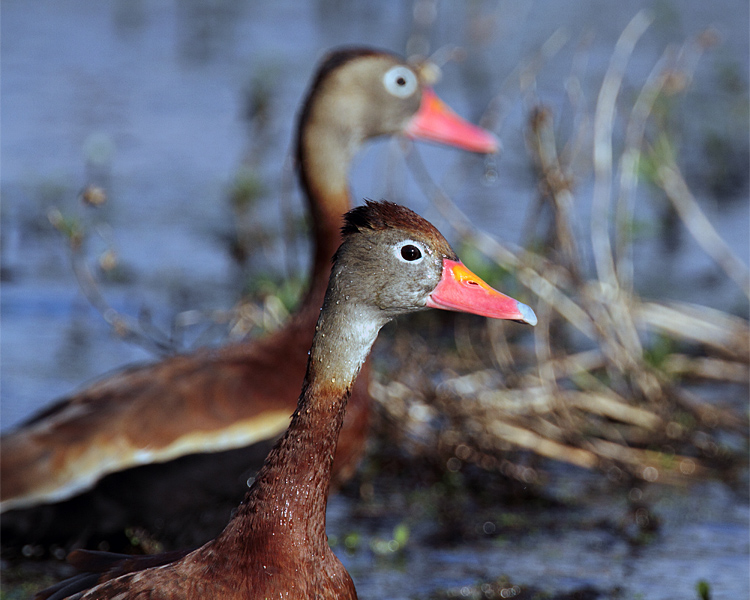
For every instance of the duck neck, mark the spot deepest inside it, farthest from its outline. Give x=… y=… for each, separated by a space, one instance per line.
x=287 y=501
x=324 y=155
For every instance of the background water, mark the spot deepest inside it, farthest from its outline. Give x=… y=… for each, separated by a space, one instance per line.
x=147 y=99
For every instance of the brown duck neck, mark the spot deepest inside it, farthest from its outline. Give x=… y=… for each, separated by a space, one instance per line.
x=286 y=504
x=324 y=155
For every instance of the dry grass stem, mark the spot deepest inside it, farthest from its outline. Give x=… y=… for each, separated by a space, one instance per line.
x=619 y=396
x=603 y=128
x=703 y=367
x=671 y=180
x=237 y=322
x=701 y=324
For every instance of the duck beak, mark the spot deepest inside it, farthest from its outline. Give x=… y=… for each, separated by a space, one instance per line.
x=436 y=122
x=460 y=290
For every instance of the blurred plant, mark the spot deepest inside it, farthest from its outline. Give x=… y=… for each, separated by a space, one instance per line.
x=396 y=544
x=607 y=384
x=247 y=237
x=79 y=227
x=352 y=542
x=76 y=229
x=248 y=234
x=703 y=589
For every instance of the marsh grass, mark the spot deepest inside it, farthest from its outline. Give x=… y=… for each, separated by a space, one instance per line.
x=607 y=380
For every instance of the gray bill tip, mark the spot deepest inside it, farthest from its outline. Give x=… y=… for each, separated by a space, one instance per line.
x=527 y=314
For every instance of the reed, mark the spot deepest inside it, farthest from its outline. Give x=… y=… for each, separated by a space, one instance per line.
x=611 y=381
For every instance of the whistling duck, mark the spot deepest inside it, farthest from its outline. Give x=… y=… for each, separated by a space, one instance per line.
x=391 y=262
x=219 y=399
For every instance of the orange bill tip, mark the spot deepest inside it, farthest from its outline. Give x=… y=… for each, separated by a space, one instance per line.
x=461 y=290
x=435 y=121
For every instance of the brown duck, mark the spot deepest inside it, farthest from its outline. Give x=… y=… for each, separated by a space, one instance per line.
x=391 y=262
x=217 y=400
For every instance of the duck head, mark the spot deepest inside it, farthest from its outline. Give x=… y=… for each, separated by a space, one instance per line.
x=394 y=261
x=365 y=93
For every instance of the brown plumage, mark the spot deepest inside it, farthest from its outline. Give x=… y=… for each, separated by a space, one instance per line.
x=391 y=262
x=226 y=400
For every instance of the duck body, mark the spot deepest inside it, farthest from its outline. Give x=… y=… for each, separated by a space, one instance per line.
x=391 y=262
x=185 y=432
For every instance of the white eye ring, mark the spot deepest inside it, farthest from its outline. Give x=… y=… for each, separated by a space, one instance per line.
x=405 y=250
x=400 y=81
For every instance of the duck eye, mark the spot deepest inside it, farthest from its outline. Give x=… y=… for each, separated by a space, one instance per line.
x=400 y=81
x=410 y=252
